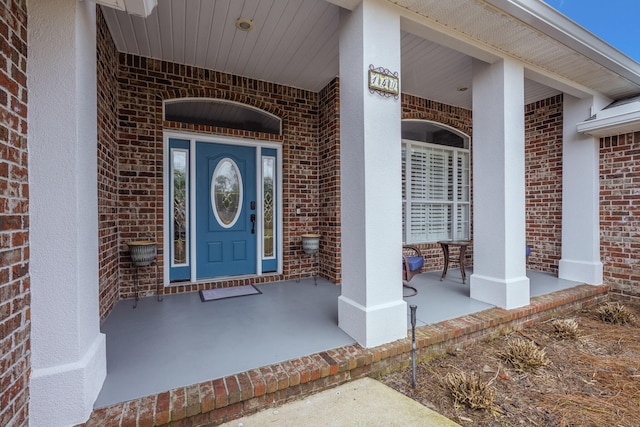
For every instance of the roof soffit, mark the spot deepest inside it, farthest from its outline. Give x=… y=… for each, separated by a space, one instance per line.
x=142 y=8
x=481 y=21
x=304 y=52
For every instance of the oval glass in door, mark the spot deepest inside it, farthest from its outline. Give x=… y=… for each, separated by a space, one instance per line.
x=226 y=193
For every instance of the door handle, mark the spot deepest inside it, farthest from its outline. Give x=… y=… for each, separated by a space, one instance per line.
x=253 y=223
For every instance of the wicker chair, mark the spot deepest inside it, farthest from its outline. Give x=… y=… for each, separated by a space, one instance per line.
x=412 y=263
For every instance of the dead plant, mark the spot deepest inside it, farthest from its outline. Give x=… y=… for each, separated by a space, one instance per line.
x=524 y=355
x=616 y=313
x=565 y=328
x=470 y=390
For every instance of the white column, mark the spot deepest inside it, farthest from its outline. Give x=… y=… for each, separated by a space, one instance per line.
x=580 y=197
x=68 y=351
x=499 y=262
x=371 y=308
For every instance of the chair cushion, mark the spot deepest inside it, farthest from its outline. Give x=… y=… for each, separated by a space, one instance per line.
x=415 y=263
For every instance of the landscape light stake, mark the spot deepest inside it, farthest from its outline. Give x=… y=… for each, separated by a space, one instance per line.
x=413 y=344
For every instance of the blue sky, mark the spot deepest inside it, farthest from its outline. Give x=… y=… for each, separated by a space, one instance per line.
x=615 y=21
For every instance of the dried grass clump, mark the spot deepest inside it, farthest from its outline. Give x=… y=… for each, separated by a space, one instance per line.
x=470 y=390
x=616 y=313
x=565 y=328
x=524 y=355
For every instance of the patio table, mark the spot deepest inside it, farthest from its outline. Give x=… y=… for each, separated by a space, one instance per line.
x=462 y=244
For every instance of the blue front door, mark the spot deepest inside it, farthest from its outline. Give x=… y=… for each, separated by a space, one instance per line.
x=225 y=210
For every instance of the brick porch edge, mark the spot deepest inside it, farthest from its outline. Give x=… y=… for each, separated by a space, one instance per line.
x=224 y=399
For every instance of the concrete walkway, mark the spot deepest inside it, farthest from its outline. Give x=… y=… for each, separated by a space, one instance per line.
x=364 y=402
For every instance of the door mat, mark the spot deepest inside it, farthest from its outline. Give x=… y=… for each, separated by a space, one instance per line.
x=222 y=293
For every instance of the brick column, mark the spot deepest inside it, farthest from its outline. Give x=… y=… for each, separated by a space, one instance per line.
x=371 y=308
x=499 y=275
x=14 y=219
x=68 y=350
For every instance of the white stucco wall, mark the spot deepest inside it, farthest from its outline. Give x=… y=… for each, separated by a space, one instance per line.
x=68 y=350
x=499 y=275
x=371 y=308
x=580 y=196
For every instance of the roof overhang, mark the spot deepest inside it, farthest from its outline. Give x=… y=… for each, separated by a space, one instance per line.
x=541 y=16
x=544 y=40
x=141 y=8
x=613 y=120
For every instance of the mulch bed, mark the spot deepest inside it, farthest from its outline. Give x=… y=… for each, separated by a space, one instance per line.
x=591 y=380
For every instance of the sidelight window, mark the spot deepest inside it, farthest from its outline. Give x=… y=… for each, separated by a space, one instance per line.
x=268 y=208
x=180 y=206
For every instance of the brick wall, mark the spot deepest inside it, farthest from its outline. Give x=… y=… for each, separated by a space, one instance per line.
x=139 y=168
x=143 y=85
x=311 y=165
x=417 y=108
x=543 y=174
x=15 y=297
x=107 y=69
x=620 y=211
x=311 y=162
x=329 y=174
x=543 y=183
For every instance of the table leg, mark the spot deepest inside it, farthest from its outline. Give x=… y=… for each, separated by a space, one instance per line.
x=445 y=251
x=463 y=249
x=159 y=293
x=135 y=288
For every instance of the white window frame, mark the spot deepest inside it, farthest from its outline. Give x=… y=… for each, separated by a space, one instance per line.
x=458 y=232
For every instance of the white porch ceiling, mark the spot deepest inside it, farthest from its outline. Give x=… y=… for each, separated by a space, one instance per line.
x=295 y=42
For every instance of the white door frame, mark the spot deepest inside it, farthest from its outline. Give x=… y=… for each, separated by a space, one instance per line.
x=192 y=137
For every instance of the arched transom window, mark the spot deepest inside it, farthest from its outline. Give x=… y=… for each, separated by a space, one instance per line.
x=221 y=113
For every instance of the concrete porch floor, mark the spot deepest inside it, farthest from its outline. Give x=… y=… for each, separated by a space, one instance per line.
x=180 y=341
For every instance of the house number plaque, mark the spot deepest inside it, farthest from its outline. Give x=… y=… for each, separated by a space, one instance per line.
x=384 y=82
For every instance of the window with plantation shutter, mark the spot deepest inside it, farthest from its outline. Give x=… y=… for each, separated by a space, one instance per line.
x=435 y=181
